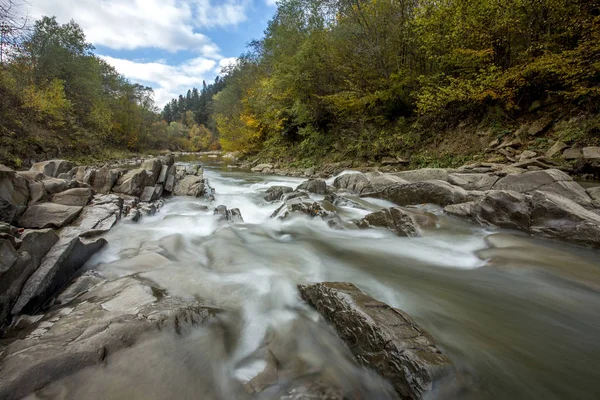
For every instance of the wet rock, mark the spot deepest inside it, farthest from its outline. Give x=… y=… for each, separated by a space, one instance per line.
x=316 y=186
x=473 y=181
x=504 y=209
x=14 y=194
x=550 y=181
x=433 y=192
x=572 y=154
x=308 y=207
x=233 y=215
x=104 y=180
x=97 y=218
x=105 y=318
x=561 y=218
x=557 y=148
x=151 y=193
x=275 y=193
x=382 y=338
x=134 y=182
x=48 y=215
x=191 y=185
x=402 y=221
x=424 y=174
x=591 y=153
x=51 y=168
x=73 y=197
x=355 y=182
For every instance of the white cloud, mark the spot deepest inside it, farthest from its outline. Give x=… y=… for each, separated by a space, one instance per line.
x=169 y=81
x=271 y=2
x=226 y=62
x=170 y=25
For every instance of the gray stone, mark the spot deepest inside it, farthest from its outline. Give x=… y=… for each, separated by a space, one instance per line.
x=572 y=154
x=261 y=167
x=55 y=185
x=153 y=166
x=379 y=182
x=431 y=192
x=594 y=193
x=305 y=206
x=51 y=168
x=504 y=209
x=233 y=215
x=134 y=182
x=162 y=177
x=48 y=215
x=473 y=181
x=355 y=182
x=14 y=194
x=527 y=154
x=8 y=255
x=316 y=186
x=73 y=197
x=425 y=174
x=591 y=153
x=276 y=192
x=104 y=180
x=382 y=338
x=556 y=149
x=400 y=220
x=191 y=185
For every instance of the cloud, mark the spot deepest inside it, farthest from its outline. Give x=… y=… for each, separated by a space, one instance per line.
x=271 y=2
x=171 y=25
x=169 y=81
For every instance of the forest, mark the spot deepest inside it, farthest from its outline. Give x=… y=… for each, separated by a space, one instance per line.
x=330 y=79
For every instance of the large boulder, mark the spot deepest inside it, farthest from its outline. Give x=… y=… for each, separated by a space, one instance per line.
x=104 y=180
x=403 y=221
x=134 y=182
x=355 y=182
x=379 y=182
x=153 y=166
x=48 y=215
x=308 y=207
x=550 y=181
x=262 y=167
x=191 y=185
x=151 y=193
x=501 y=208
x=52 y=168
x=316 y=186
x=97 y=218
x=14 y=194
x=382 y=338
x=561 y=218
x=34 y=246
x=473 y=181
x=591 y=153
x=424 y=174
x=224 y=214
x=433 y=192
x=104 y=318
x=73 y=197
x=56 y=185
x=276 y=192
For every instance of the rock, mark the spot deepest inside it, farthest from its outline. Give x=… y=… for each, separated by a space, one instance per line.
x=306 y=206
x=99 y=217
x=104 y=180
x=572 y=154
x=402 y=221
x=424 y=174
x=55 y=185
x=540 y=126
x=14 y=194
x=473 y=181
x=191 y=185
x=134 y=182
x=262 y=167
x=551 y=181
x=508 y=143
x=433 y=192
x=594 y=193
x=233 y=215
x=591 y=153
x=61 y=263
x=31 y=176
x=382 y=338
x=151 y=193
x=73 y=197
x=556 y=149
x=355 y=182
x=379 y=182
x=104 y=318
x=275 y=193
x=48 y=215
x=504 y=209
x=8 y=255
x=153 y=166
x=34 y=247
x=558 y=217
x=389 y=161
x=527 y=154
x=37 y=193
x=171 y=178
x=162 y=177
x=51 y=168
x=316 y=186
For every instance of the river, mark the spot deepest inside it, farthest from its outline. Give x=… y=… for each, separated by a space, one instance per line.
x=520 y=320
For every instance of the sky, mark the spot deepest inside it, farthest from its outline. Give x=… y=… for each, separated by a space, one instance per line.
x=169 y=45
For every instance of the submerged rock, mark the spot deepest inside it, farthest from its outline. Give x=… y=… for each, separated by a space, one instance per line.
x=382 y=338
x=233 y=215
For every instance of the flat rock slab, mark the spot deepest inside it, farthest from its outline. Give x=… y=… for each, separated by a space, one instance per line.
x=48 y=215
x=73 y=197
x=381 y=337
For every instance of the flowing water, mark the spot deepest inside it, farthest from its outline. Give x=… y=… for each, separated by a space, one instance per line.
x=520 y=318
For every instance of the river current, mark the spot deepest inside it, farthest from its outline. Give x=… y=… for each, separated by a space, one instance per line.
x=519 y=317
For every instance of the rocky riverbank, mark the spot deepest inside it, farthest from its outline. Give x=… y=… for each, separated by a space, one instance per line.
x=58 y=321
